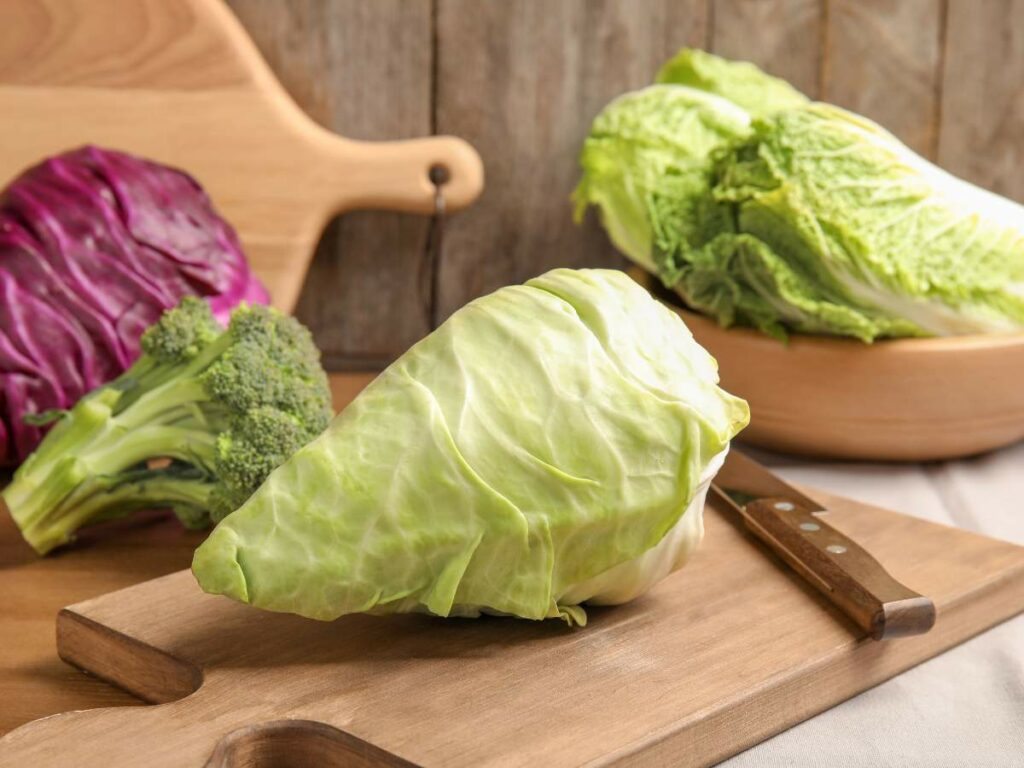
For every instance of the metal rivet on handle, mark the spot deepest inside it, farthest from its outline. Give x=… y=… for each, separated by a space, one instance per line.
x=783 y=506
x=810 y=527
x=836 y=549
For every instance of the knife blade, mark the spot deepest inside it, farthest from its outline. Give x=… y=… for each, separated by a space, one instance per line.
x=790 y=523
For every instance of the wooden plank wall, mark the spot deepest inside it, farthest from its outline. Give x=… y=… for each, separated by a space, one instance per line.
x=522 y=79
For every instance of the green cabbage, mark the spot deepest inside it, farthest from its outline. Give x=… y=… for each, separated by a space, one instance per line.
x=549 y=445
x=813 y=219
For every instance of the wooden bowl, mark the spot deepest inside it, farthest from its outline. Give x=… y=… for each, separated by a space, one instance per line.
x=898 y=400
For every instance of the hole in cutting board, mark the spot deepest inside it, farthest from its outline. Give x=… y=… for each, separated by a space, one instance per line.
x=439 y=174
x=298 y=744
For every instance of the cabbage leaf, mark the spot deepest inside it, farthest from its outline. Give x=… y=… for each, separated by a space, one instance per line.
x=879 y=241
x=742 y=83
x=652 y=146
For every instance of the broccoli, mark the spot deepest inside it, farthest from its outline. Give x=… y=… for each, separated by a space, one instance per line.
x=220 y=408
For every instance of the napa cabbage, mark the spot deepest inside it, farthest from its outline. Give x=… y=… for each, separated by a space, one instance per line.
x=803 y=216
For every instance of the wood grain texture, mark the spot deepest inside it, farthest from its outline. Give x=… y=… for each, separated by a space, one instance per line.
x=981 y=136
x=719 y=656
x=522 y=80
x=63 y=44
x=33 y=681
x=782 y=36
x=367 y=296
x=884 y=60
x=185 y=86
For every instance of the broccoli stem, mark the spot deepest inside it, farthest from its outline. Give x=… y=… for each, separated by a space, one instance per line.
x=148 y=374
x=91 y=416
x=130 y=448
x=89 y=465
x=106 y=498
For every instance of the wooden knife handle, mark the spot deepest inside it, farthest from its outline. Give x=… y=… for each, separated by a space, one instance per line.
x=842 y=570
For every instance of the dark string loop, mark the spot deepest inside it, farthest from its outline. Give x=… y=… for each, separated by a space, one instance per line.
x=438 y=176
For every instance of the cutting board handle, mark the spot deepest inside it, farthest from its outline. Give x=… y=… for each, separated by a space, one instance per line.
x=179 y=719
x=396 y=175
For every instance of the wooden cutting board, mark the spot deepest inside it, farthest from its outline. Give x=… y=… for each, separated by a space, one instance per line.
x=723 y=654
x=179 y=81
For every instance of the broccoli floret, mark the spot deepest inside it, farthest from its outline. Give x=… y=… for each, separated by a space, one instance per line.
x=226 y=407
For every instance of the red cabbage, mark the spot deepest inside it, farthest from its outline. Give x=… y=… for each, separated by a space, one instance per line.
x=94 y=246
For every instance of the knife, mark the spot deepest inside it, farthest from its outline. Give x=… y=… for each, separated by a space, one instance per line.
x=789 y=522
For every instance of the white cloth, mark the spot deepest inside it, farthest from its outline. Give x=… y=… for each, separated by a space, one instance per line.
x=962 y=708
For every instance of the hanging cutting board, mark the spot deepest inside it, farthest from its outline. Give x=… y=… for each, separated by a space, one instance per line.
x=723 y=654
x=180 y=82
